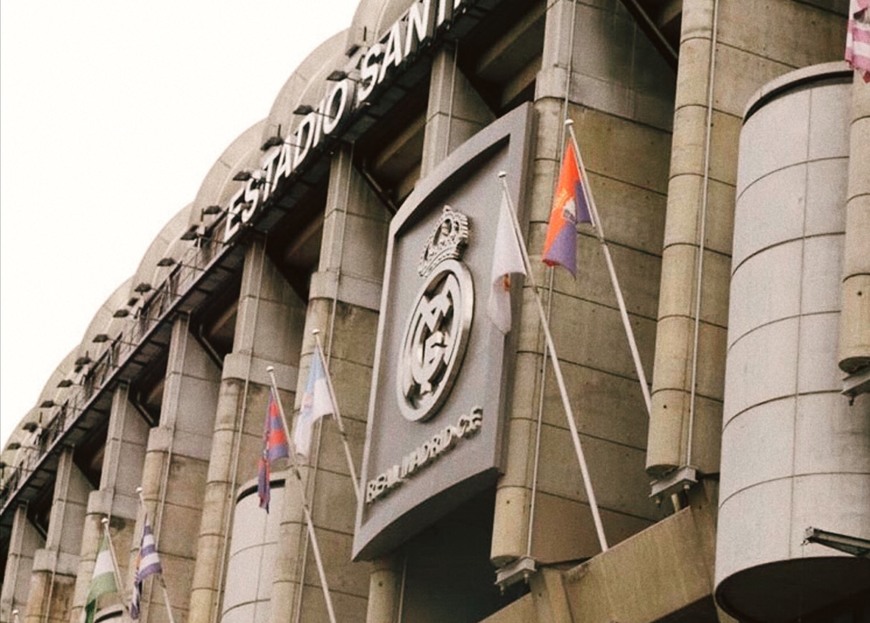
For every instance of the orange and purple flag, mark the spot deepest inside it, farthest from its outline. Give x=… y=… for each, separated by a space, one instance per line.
x=569 y=208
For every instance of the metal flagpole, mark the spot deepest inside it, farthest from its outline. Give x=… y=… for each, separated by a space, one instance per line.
x=115 y=570
x=596 y=223
x=160 y=578
x=569 y=413
x=308 y=521
x=338 y=420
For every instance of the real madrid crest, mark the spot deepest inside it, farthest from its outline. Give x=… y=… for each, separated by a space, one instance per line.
x=436 y=334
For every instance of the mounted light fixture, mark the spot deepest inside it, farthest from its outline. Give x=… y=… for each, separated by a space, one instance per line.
x=81 y=361
x=121 y=313
x=242 y=176
x=29 y=426
x=13 y=445
x=100 y=338
x=191 y=233
x=272 y=141
x=337 y=75
x=305 y=109
x=164 y=262
x=47 y=404
x=142 y=288
x=211 y=210
x=64 y=383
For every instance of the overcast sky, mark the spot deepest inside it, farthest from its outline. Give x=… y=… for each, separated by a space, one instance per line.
x=111 y=114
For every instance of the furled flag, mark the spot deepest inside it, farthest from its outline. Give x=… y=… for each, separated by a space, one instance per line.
x=102 y=580
x=507 y=259
x=316 y=402
x=147 y=563
x=858 y=37
x=569 y=208
x=275 y=446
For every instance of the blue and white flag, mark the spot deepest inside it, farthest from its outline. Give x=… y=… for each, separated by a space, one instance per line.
x=316 y=402
x=148 y=563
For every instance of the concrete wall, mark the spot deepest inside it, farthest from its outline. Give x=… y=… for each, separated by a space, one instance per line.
x=618 y=92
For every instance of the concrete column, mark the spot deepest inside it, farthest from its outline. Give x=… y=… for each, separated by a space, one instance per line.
x=176 y=462
x=455 y=112
x=55 y=566
x=267 y=333
x=688 y=381
x=24 y=541
x=385 y=589
x=855 y=315
x=116 y=498
x=691 y=349
x=343 y=301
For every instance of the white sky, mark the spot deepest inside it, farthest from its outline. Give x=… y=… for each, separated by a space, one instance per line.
x=111 y=114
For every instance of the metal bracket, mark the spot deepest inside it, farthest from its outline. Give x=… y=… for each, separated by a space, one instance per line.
x=677 y=481
x=850 y=544
x=511 y=573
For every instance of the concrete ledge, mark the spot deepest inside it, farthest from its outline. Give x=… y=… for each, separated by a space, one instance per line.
x=352 y=290
x=181 y=442
x=105 y=502
x=241 y=366
x=664 y=573
x=55 y=562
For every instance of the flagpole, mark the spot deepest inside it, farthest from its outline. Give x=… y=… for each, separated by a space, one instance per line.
x=308 y=521
x=160 y=578
x=338 y=419
x=599 y=231
x=115 y=570
x=566 y=403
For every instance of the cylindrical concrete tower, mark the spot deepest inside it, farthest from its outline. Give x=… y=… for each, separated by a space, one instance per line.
x=795 y=451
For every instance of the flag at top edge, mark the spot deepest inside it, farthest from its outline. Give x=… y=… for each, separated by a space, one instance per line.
x=858 y=37
x=569 y=208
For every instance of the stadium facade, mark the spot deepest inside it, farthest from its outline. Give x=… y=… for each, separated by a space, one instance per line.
x=726 y=146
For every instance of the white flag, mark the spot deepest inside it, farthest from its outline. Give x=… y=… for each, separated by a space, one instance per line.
x=507 y=259
x=316 y=402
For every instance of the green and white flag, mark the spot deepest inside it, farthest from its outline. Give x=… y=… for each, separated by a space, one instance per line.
x=102 y=581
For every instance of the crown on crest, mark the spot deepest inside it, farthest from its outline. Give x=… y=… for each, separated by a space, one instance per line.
x=447 y=241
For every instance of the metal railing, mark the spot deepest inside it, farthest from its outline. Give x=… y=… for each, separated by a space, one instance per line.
x=102 y=370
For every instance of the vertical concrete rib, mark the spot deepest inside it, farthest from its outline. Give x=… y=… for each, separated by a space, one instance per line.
x=55 y=566
x=116 y=498
x=23 y=543
x=455 y=111
x=686 y=333
x=176 y=462
x=343 y=305
x=267 y=333
x=855 y=317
